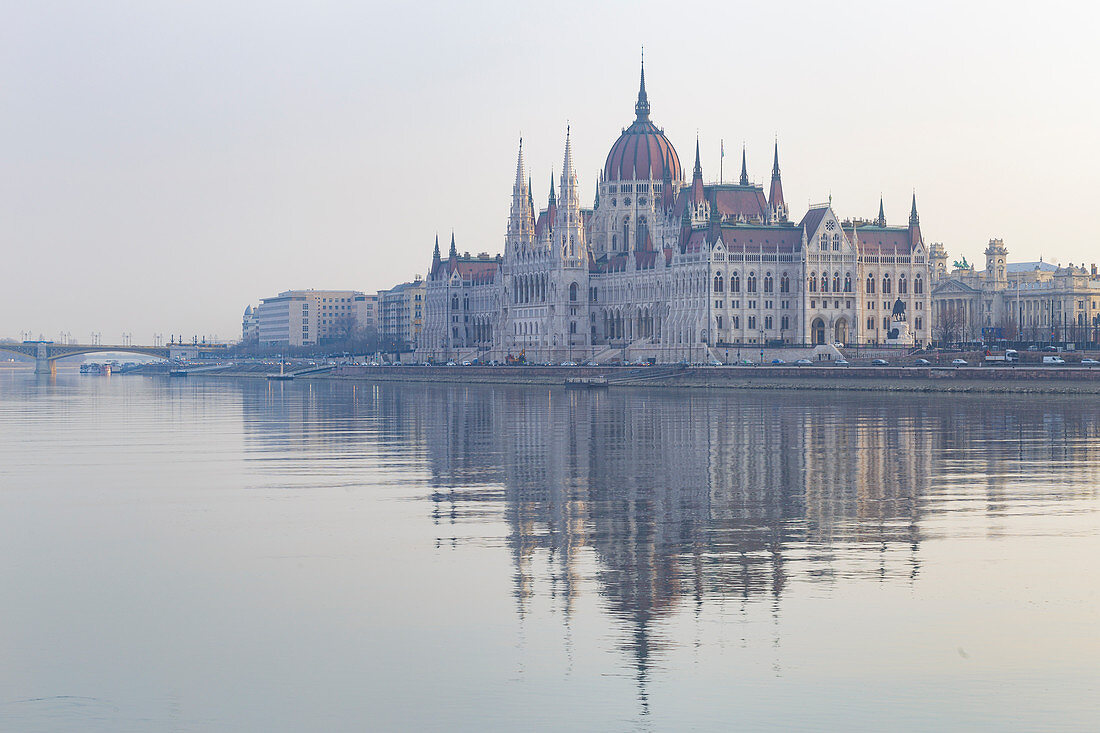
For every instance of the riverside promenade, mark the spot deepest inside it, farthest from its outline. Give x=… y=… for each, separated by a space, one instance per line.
x=1019 y=379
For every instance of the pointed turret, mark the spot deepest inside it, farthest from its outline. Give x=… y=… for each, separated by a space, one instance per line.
x=569 y=231
x=744 y=168
x=698 y=194
x=553 y=199
x=521 y=220
x=881 y=220
x=453 y=254
x=775 y=196
x=914 y=224
x=596 y=205
x=435 y=254
x=641 y=107
x=530 y=196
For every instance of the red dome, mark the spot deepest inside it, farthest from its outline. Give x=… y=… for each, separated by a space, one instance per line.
x=642 y=153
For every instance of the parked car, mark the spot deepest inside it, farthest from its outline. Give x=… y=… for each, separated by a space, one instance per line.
x=958 y=362
x=804 y=362
x=715 y=362
x=1033 y=347
x=450 y=363
x=569 y=363
x=465 y=363
x=922 y=362
x=840 y=362
x=1089 y=362
x=746 y=362
x=1050 y=348
x=880 y=362
x=592 y=363
x=778 y=361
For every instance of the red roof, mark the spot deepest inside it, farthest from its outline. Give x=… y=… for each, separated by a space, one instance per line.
x=642 y=153
x=738 y=201
x=881 y=240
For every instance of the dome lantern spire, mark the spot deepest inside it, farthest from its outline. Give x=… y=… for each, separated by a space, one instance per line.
x=641 y=108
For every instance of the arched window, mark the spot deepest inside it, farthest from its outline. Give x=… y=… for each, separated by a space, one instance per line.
x=886 y=284
x=813 y=282
x=870 y=283
x=626 y=232
x=573 y=294
x=735 y=283
x=902 y=285
x=836 y=282
x=454 y=302
x=768 y=283
x=847 y=282
x=824 y=241
x=750 y=283
x=784 y=284
x=718 y=282
x=918 y=285
x=824 y=282
x=642 y=233
x=836 y=242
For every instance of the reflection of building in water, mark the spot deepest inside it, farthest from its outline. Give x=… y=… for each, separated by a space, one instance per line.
x=664 y=500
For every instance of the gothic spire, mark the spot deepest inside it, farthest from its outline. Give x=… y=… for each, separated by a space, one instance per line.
x=641 y=108
x=435 y=255
x=597 y=204
x=913 y=218
x=553 y=198
x=744 y=168
x=881 y=220
x=698 y=172
x=519 y=169
x=530 y=196
x=775 y=195
x=453 y=254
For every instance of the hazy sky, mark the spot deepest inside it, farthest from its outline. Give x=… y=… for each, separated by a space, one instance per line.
x=166 y=164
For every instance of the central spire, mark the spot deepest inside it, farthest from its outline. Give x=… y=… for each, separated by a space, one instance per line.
x=744 y=168
x=641 y=108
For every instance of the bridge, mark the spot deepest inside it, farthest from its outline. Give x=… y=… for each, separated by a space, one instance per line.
x=46 y=353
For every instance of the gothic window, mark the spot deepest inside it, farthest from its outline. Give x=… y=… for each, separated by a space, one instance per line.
x=768 y=322
x=768 y=283
x=735 y=283
x=836 y=242
x=719 y=321
x=752 y=322
x=847 y=282
x=454 y=303
x=626 y=232
x=813 y=282
x=918 y=322
x=886 y=323
x=573 y=297
x=718 y=282
x=886 y=284
x=871 y=323
x=785 y=322
x=750 y=283
x=836 y=282
x=870 y=283
x=614 y=242
x=784 y=284
x=736 y=321
x=642 y=233
x=824 y=282
x=824 y=242
x=918 y=285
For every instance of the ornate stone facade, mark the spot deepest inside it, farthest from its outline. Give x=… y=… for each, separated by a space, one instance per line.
x=673 y=270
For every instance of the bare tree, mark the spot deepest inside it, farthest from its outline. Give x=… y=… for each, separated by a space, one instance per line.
x=950 y=324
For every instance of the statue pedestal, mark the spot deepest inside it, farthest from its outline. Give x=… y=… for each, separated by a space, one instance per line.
x=902 y=337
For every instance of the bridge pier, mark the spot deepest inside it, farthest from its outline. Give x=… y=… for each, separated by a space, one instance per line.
x=45 y=365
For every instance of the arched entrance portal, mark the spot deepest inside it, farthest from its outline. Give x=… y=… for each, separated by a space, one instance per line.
x=840 y=333
x=817 y=332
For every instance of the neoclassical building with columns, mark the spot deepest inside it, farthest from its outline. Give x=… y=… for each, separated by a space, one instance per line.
x=672 y=268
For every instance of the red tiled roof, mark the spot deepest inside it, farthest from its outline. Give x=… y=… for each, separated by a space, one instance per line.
x=746 y=201
x=642 y=153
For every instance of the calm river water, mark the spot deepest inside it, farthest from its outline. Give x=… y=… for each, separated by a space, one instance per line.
x=207 y=555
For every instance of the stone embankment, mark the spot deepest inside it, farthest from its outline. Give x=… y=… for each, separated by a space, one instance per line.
x=1041 y=380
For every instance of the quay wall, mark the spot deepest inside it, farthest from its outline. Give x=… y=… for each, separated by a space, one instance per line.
x=1049 y=380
